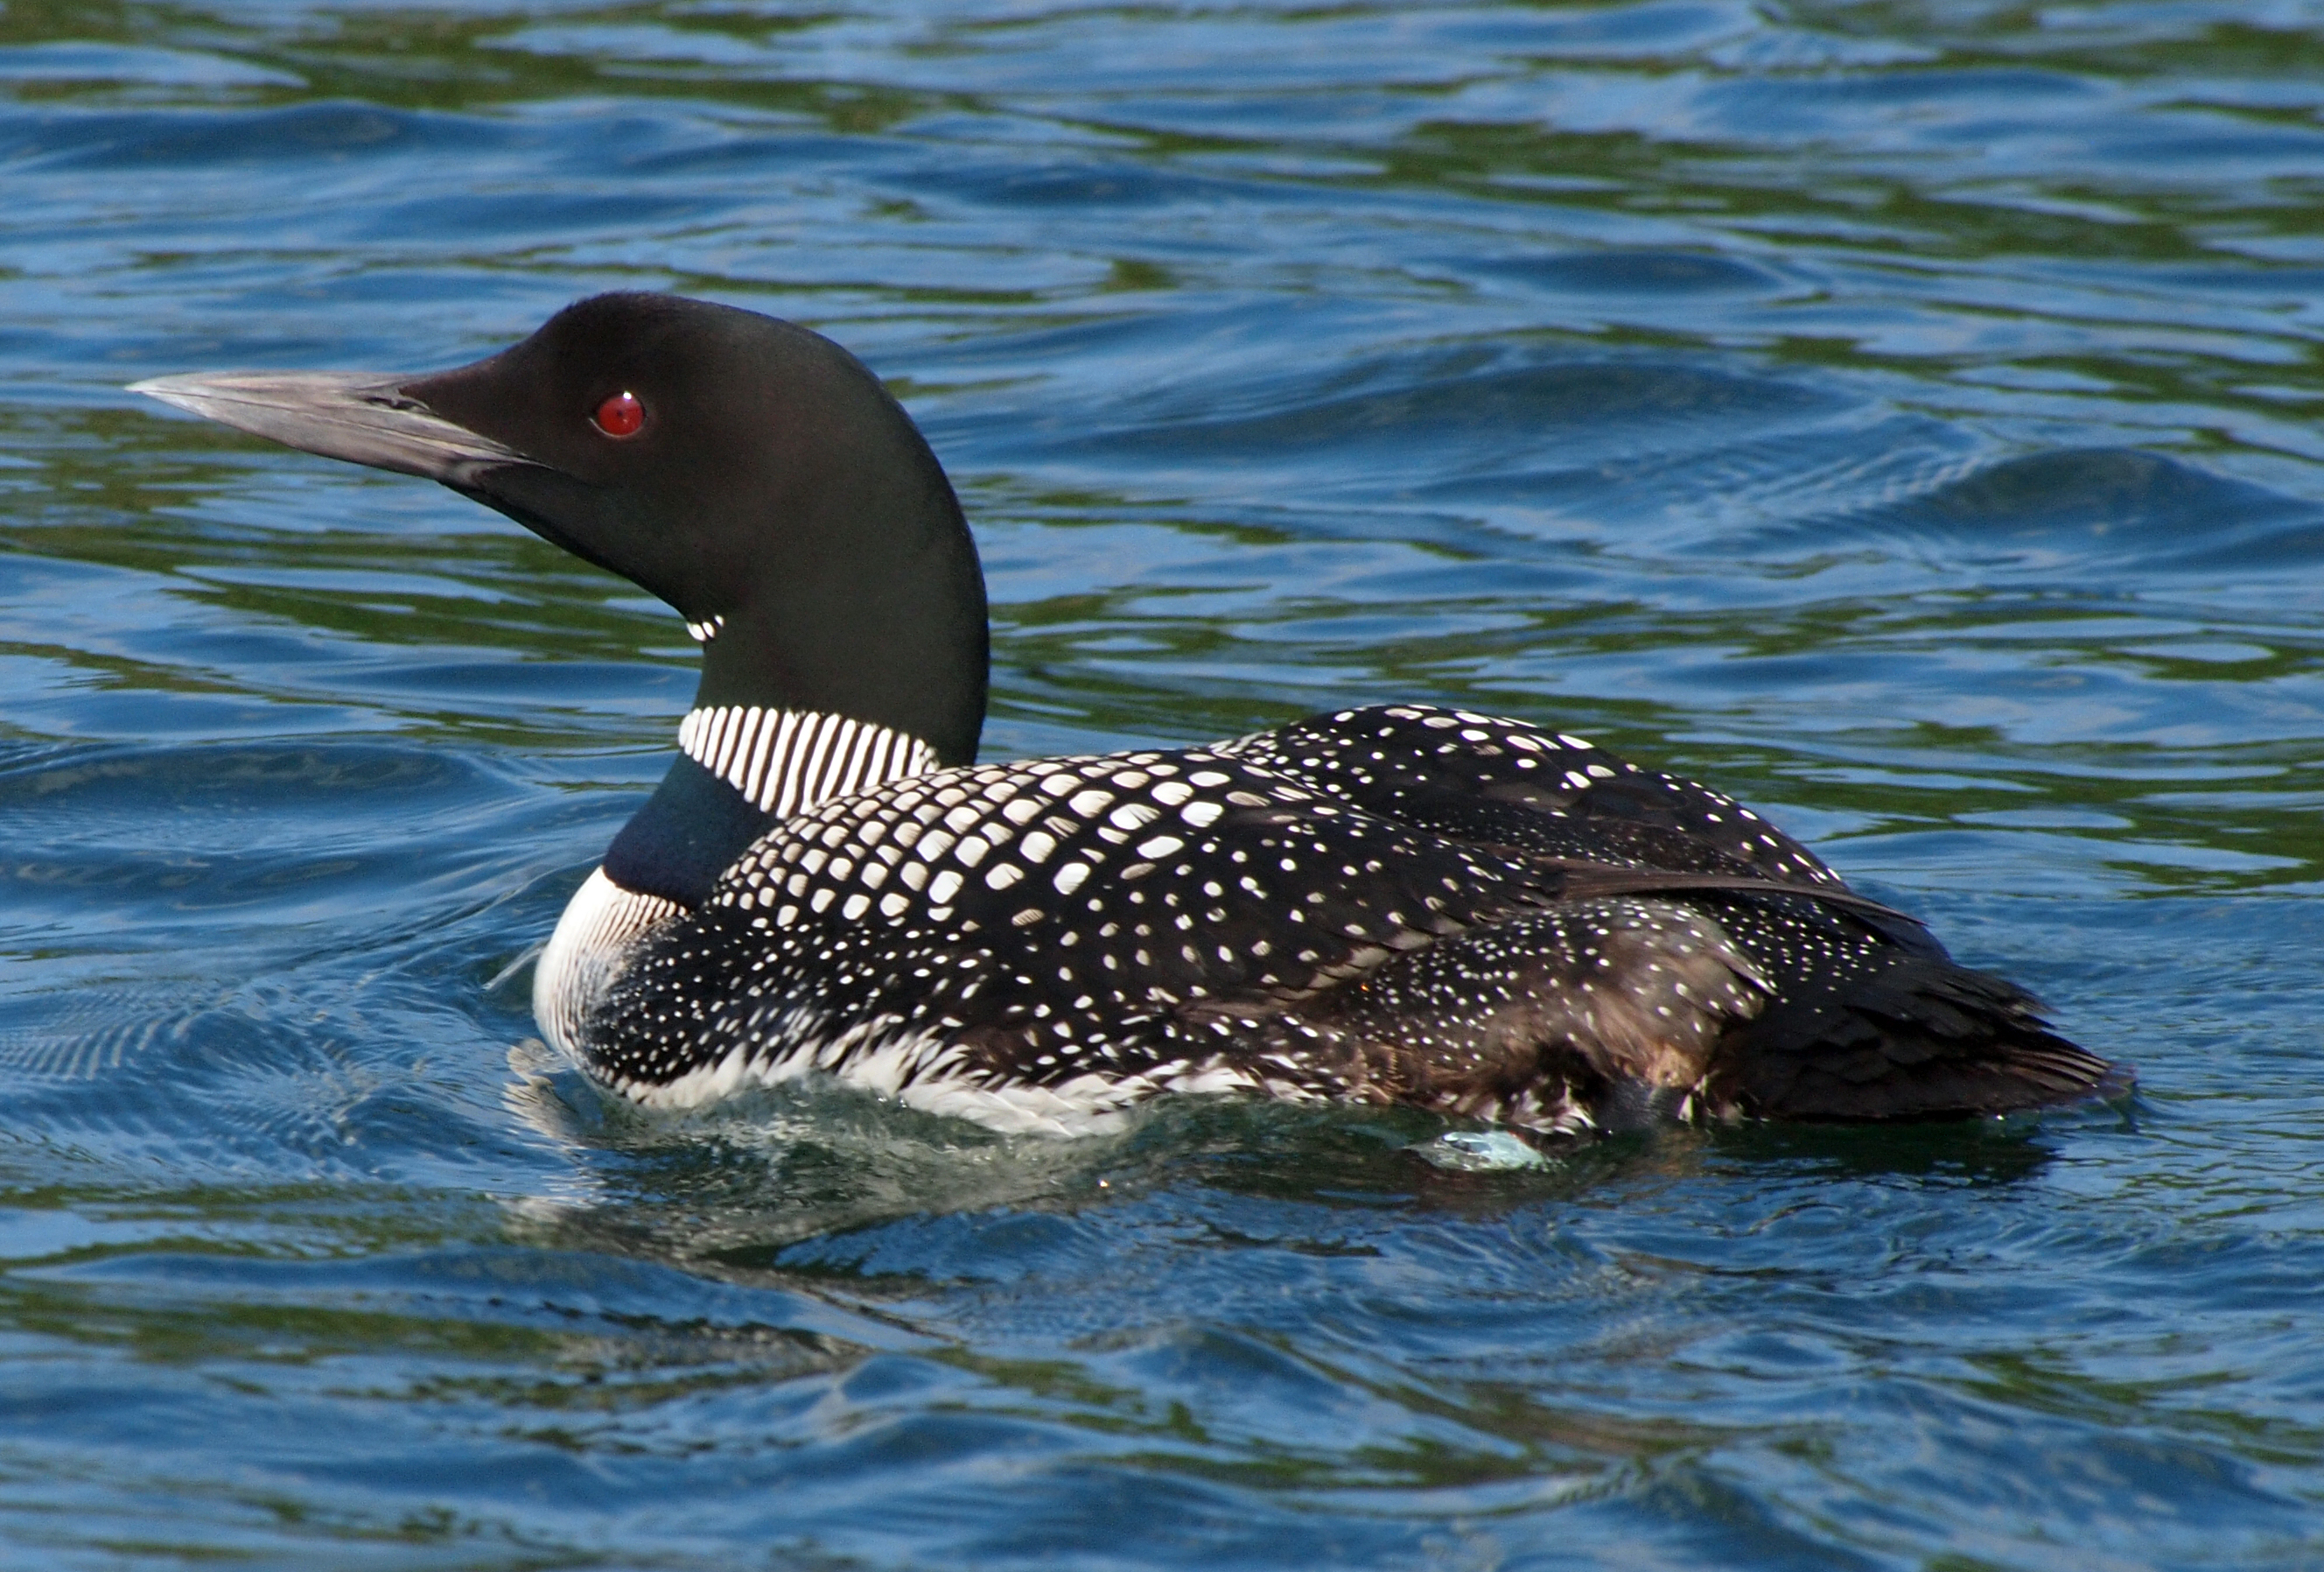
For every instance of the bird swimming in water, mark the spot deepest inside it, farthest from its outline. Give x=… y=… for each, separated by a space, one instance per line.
x=1393 y=904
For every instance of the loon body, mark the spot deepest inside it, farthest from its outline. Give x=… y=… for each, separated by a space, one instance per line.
x=1394 y=904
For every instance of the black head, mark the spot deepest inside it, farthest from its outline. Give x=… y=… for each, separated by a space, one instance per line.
x=748 y=472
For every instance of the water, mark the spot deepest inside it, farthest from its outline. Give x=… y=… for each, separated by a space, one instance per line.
x=1904 y=417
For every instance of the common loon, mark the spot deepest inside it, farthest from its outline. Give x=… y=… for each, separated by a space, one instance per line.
x=1399 y=903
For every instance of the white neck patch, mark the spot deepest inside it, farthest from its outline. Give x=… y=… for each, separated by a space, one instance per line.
x=786 y=761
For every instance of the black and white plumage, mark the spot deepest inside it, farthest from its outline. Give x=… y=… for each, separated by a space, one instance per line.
x=1394 y=904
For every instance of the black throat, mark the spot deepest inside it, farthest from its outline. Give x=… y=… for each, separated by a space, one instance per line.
x=690 y=831
x=741 y=769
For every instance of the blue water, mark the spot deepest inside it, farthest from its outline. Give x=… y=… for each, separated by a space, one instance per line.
x=1901 y=416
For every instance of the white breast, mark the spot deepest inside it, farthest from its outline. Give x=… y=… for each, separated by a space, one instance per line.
x=602 y=925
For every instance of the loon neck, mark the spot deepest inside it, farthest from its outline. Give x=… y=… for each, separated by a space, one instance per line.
x=880 y=619
x=740 y=770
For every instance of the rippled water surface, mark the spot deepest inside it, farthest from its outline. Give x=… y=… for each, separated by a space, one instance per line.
x=1904 y=417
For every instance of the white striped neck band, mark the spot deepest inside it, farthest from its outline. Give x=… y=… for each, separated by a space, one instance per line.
x=786 y=761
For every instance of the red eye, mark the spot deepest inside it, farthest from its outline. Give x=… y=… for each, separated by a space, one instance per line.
x=621 y=415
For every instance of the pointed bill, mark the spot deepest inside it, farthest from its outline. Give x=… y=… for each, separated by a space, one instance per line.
x=363 y=417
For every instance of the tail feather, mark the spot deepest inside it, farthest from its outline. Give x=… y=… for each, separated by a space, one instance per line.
x=1920 y=1039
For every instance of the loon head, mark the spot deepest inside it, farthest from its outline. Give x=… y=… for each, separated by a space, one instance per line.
x=747 y=471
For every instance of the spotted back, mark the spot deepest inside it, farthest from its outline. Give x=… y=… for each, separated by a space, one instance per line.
x=1507 y=783
x=1120 y=915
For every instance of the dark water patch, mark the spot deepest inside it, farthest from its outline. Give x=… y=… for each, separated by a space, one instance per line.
x=757 y=153
x=1369 y=426
x=1641 y=273
x=2067 y=510
x=192 y=140
x=1084 y=185
x=567 y=217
